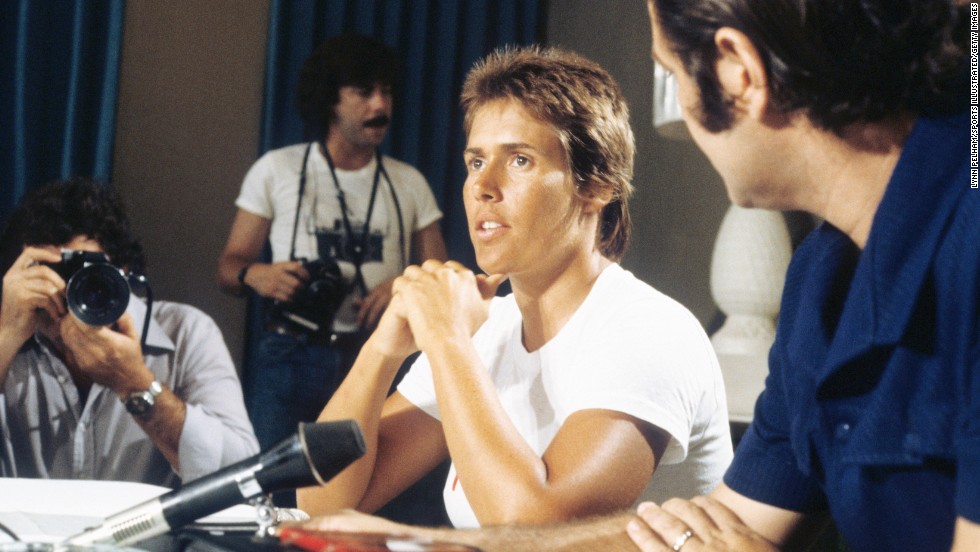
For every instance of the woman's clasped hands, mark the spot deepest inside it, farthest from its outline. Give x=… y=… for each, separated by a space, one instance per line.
x=435 y=301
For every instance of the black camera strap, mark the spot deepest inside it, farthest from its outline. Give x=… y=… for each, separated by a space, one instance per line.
x=299 y=200
x=398 y=212
x=348 y=229
x=141 y=280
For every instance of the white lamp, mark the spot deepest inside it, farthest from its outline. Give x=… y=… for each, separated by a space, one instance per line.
x=748 y=268
x=667 y=119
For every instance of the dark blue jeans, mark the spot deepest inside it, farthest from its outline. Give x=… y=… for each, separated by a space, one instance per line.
x=290 y=381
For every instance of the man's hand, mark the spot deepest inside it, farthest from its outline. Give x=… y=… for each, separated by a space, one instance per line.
x=444 y=298
x=30 y=287
x=352 y=521
x=370 y=308
x=110 y=357
x=280 y=281
x=701 y=523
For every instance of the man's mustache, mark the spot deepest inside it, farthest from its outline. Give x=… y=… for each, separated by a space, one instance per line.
x=379 y=121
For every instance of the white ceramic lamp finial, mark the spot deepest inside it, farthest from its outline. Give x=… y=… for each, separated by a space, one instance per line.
x=748 y=269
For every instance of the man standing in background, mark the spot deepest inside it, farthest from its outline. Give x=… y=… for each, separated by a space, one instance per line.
x=342 y=220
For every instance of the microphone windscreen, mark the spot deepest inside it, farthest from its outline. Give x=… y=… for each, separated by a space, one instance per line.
x=332 y=446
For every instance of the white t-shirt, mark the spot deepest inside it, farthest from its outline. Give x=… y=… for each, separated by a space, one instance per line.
x=270 y=190
x=627 y=348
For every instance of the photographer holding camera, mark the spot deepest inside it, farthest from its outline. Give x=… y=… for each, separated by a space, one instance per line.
x=82 y=396
x=342 y=220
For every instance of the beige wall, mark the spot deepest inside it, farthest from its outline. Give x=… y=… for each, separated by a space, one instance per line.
x=680 y=199
x=188 y=126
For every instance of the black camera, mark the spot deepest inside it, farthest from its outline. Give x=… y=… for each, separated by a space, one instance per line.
x=337 y=244
x=97 y=292
x=314 y=307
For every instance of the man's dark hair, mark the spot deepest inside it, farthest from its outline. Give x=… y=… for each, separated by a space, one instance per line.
x=839 y=61
x=57 y=212
x=344 y=60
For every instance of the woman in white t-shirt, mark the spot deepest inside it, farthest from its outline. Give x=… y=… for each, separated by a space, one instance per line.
x=584 y=390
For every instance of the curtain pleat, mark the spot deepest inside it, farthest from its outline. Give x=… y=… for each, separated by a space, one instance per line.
x=58 y=92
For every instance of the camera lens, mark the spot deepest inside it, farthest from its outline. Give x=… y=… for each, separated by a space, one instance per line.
x=98 y=294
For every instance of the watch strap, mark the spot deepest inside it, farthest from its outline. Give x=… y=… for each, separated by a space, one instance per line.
x=242 y=273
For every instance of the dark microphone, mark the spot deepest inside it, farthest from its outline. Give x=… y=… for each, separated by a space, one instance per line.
x=311 y=457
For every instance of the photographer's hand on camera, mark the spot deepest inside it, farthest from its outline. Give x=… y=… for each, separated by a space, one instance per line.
x=279 y=281
x=112 y=356
x=29 y=289
x=370 y=308
x=108 y=355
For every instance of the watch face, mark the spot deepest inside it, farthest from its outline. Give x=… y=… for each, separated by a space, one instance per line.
x=139 y=404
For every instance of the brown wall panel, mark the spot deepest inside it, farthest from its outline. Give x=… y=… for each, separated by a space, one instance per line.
x=187 y=131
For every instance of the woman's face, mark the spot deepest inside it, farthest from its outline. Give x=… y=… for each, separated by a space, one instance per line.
x=523 y=213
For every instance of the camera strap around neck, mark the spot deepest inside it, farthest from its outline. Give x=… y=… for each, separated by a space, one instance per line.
x=299 y=200
x=360 y=244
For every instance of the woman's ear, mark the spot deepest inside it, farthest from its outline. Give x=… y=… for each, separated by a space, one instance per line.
x=742 y=72
x=596 y=198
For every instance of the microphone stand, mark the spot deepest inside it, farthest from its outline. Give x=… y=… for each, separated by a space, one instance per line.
x=299 y=461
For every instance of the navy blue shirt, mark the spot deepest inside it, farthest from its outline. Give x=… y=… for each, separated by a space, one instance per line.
x=872 y=403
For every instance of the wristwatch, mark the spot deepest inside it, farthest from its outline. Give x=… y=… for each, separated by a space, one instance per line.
x=242 y=272
x=140 y=403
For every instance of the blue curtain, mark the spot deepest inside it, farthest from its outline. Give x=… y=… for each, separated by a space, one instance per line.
x=57 y=92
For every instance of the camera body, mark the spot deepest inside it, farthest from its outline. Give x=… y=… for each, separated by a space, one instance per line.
x=361 y=247
x=339 y=246
x=97 y=292
x=313 y=308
